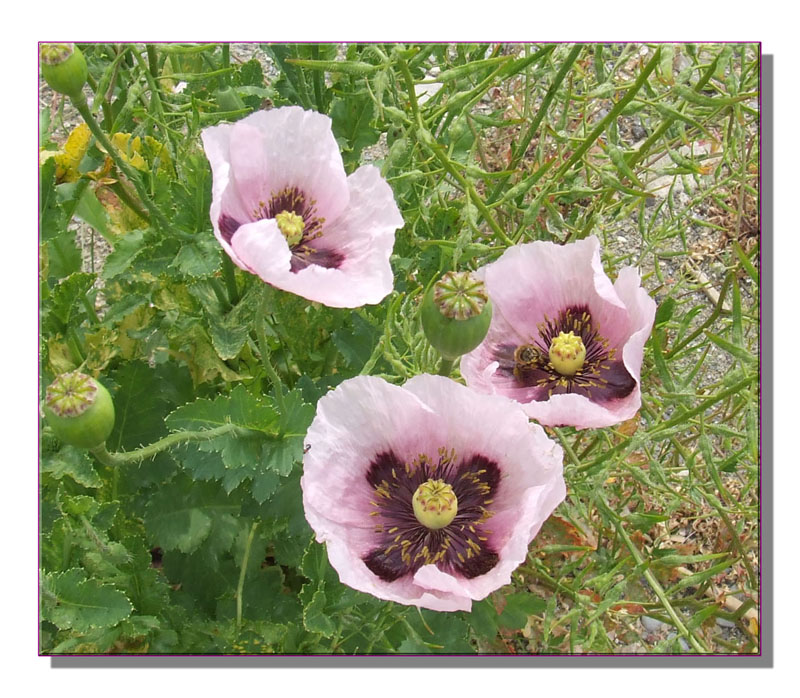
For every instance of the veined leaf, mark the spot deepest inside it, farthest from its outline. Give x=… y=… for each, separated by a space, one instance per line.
x=71 y=601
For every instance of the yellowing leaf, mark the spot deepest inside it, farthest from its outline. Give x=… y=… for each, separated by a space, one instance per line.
x=130 y=151
x=121 y=219
x=137 y=320
x=142 y=156
x=101 y=347
x=70 y=156
x=59 y=355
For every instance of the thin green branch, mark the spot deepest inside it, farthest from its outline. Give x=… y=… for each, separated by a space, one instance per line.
x=179 y=437
x=264 y=349
x=242 y=572
x=650 y=577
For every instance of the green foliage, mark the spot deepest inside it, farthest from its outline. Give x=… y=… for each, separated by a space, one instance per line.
x=189 y=536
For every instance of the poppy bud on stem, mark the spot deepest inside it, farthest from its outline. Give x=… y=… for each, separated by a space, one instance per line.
x=456 y=313
x=64 y=68
x=79 y=410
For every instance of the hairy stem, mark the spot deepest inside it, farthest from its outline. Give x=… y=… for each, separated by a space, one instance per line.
x=264 y=348
x=179 y=437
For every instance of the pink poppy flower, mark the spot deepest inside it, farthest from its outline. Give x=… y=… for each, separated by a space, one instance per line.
x=564 y=341
x=427 y=494
x=283 y=208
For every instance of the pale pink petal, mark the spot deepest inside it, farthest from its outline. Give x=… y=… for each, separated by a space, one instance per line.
x=262 y=249
x=289 y=147
x=224 y=198
x=642 y=310
x=536 y=280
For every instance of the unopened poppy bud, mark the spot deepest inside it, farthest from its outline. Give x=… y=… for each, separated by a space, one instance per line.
x=64 y=68
x=79 y=410
x=456 y=313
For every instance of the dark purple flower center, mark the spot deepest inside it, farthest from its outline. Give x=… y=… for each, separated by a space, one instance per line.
x=308 y=249
x=601 y=377
x=404 y=544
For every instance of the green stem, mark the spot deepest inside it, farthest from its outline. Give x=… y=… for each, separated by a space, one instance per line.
x=522 y=144
x=152 y=59
x=599 y=129
x=318 y=84
x=79 y=102
x=155 y=96
x=119 y=189
x=651 y=580
x=446 y=367
x=180 y=437
x=264 y=348
x=229 y=275
x=240 y=585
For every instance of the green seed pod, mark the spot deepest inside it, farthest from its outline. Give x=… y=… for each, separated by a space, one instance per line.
x=456 y=313
x=229 y=100
x=64 y=68
x=79 y=410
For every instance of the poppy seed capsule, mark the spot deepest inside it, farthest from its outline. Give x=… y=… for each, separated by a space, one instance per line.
x=435 y=504
x=456 y=313
x=64 y=68
x=567 y=353
x=79 y=410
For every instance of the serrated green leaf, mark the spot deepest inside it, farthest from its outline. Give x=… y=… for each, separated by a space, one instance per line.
x=185 y=514
x=63 y=255
x=91 y=211
x=240 y=408
x=351 y=124
x=199 y=258
x=483 y=618
x=280 y=455
x=265 y=483
x=68 y=294
x=227 y=336
x=73 y=602
x=140 y=403
x=519 y=606
x=74 y=463
x=126 y=249
x=314 y=618
x=183 y=528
